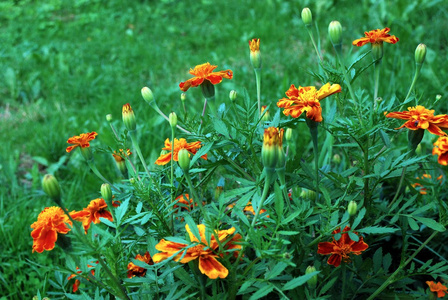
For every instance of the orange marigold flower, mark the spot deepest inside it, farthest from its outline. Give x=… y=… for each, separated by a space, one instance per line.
x=342 y=248
x=421 y=118
x=205 y=72
x=77 y=282
x=438 y=288
x=50 y=222
x=420 y=187
x=248 y=209
x=254 y=45
x=92 y=213
x=377 y=36
x=81 y=140
x=178 y=144
x=208 y=264
x=306 y=99
x=441 y=149
x=134 y=270
x=120 y=155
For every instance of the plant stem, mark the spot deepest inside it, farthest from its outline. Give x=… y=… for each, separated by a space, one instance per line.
x=258 y=81
x=391 y=278
x=154 y=105
x=98 y=173
x=314 y=44
x=139 y=152
x=267 y=183
x=377 y=78
x=172 y=177
x=312 y=125
x=416 y=74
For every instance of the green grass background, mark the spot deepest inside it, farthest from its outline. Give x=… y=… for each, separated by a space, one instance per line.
x=65 y=64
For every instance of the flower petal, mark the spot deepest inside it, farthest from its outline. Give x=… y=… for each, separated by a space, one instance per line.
x=209 y=266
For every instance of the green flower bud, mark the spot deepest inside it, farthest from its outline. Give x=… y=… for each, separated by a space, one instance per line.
x=420 y=54
x=377 y=51
x=288 y=135
x=147 y=94
x=307 y=16
x=208 y=89
x=336 y=159
x=312 y=282
x=281 y=162
x=255 y=55
x=308 y=194
x=132 y=180
x=106 y=192
x=184 y=160
x=218 y=191
x=335 y=32
x=233 y=95
x=173 y=119
x=352 y=208
x=129 y=117
x=183 y=96
x=109 y=118
x=51 y=187
x=269 y=152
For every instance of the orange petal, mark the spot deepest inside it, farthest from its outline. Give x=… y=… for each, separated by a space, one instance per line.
x=209 y=266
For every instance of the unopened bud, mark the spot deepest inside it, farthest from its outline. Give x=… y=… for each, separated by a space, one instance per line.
x=335 y=32
x=286 y=255
x=312 y=282
x=269 y=152
x=184 y=160
x=147 y=94
x=218 y=191
x=307 y=16
x=288 y=135
x=129 y=117
x=109 y=118
x=173 y=119
x=106 y=192
x=281 y=162
x=337 y=159
x=183 y=96
x=255 y=55
x=377 y=51
x=265 y=117
x=308 y=194
x=352 y=208
x=132 y=180
x=51 y=187
x=438 y=97
x=420 y=54
x=233 y=95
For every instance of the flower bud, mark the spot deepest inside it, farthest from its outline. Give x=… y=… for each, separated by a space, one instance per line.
x=218 y=191
x=255 y=55
x=281 y=162
x=208 y=89
x=352 y=208
x=51 y=187
x=106 y=192
x=336 y=159
x=377 y=51
x=129 y=117
x=335 y=33
x=265 y=117
x=438 y=97
x=233 y=95
x=307 y=16
x=308 y=194
x=288 y=135
x=109 y=118
x=183 y=96
x=184 y=160
x=147 y=95
x=286 y=255
x=420 y=54
x=173 y=119
x=312 y=282
x=132 y=180
x=269 y=152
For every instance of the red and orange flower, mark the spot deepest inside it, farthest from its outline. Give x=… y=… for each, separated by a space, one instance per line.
x=438 y=288
x=92 y=213
x=206 y=253
x=205 y=72
x=420 y=187
x=421 y=118
x=178 y=144
x=81 y=140
x=377 y=36
x=50 y=222
x=306 y=99
x=441 y=149
x=77 y=282
x=342 y=248
x=120 y=155
x=134 y=270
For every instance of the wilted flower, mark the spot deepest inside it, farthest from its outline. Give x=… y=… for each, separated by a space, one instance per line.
x=134 y=270
x=178 y=145
x=81 y=140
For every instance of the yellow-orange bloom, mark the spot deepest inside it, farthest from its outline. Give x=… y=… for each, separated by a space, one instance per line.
x=205 y=72
x=206 y=253
x=134 y=270
x=50 y=222
x=421 y=118
x=120 y=155
x=441 y=149
x=178 y=144
x=92 y=213
x=254 y=45
x=377 y=36
x=420 y=187
x=306 y=99
x=248 y=209
x=77 y=282
x=438 y=288
x=81 y=140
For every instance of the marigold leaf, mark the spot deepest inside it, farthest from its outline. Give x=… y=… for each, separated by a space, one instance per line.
x=328 y=285
x=377 y=230
x=359 y=218
x=377 y=260
x=413 y=224
x=298 y=281
x=430 y=223
x=387 y=262
x=263 y=291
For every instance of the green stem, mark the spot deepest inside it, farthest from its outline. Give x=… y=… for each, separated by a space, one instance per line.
x=312 y=125
x=154 y=105
x=258 y=80
x=391 y=278
x=344 y=273
x=98 y=173
x=282 y=179
x=196 y=199
x=267 y=183
x=172 y=177
x=139 y=152
x=377 y=78
x=314 y=44
x=366 y=172
x=416 y=74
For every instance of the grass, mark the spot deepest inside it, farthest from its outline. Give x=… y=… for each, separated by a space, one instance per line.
x=65 y=65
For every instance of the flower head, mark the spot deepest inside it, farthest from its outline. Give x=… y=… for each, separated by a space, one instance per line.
x=306 y=99
x=249 y=209
x=272 y=141
x=205 y=72
x=420 y=187
x=341 y=249
x=206 y=253
x=441 y=149
x=255 y=55
x=377 y=36
x=129 y=117
x=81 y=140
x=92 y=213
x=50 y=222
x=120 y=155
x=77 y=282
x=438 y=288
x=421 y=118
x=178 y=144
x=134 y=270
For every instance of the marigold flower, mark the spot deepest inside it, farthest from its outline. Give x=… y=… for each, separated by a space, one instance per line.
x=205 y=72
x=120 y=155
x=421 y=118
x=178 y=144
x=81 y=140
x=248 y=209
x=441 y=149
x=342 y=248
x=50 y=222
x=438 y=288
x=185 y=201
x=92 y=213
x=377 y=36
x=420 y=187
x=129 y=117
x=77 y=282
x=272 y=141
x=255 y=56
x=134 y=270
x=306 y=99
x=206 y=253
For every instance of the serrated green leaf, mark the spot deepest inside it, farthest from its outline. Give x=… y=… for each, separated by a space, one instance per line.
x=298 y=281
x=387 y=261
x=412 y=223
x=276 y=270
x=263 y=291
x=377 y=260
x=377 y=230
x=204 y=149
x=353 y=236
x=359 y=218
x=328 y=285
x=431 y=223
